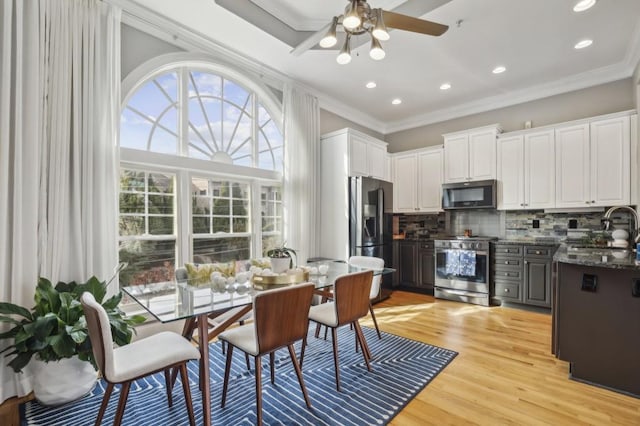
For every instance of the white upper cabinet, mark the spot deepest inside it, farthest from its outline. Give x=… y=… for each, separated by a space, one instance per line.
x=417 y=183
x=593 y=163
x=367 y=155
x=526 y=175
x=470 y=155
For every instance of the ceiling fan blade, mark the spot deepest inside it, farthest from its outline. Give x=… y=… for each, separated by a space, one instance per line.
x=310 y=41
x=409 y=23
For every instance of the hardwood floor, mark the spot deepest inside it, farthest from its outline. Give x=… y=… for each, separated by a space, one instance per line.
x=504 y=373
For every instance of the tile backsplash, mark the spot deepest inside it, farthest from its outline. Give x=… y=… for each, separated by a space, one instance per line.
x=511 y=224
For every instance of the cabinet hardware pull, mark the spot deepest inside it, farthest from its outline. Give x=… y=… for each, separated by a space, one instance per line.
x=593 y=201
x=506 y=290
x=537 y=251
x=506 y=262
x=586 y=202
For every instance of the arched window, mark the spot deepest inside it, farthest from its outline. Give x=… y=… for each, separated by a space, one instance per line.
x=201 y=170
x=200 y=114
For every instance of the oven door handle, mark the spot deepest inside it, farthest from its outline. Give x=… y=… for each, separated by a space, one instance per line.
x=478 y=253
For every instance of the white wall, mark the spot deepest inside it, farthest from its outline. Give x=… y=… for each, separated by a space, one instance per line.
x=330 y=122
x=138 y=47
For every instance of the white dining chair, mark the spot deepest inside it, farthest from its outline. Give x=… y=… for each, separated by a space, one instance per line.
x=122 y=365
x=373 y=263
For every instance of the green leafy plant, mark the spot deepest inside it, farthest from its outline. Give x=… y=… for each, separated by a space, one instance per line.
x=56 y=328
x=281 y=252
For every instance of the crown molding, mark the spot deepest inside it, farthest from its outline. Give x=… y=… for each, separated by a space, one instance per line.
x=568 y=84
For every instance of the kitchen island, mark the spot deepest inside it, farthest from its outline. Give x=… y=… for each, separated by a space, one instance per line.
x=596 y=316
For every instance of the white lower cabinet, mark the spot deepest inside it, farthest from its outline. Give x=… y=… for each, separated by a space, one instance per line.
x=417 y=183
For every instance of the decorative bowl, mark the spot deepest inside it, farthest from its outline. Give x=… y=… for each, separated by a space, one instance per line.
x=264 y=282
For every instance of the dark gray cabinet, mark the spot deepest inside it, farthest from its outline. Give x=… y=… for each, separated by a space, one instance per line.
x=408 y=263
x=427 y=267
x=522 y=274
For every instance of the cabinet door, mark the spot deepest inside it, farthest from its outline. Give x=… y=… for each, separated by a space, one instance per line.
x=358 y=156
x=537 y=282
x=510 y=173
x=456 y=159
x=610 y=162
x=572 y=166
x=404 y=183
x=482 y=155
x=430 y=181
x=376 y=161
x=427 y=269
x=539 y=170
x=408 y=264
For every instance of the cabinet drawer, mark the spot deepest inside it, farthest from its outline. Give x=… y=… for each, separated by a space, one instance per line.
x=537 y=251
x=508 y=250
x=426 y=245
x=507 y=291
x=508 y=274
x=502 y=261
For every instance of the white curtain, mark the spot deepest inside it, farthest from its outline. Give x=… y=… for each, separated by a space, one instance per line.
x=20 y=113
x=301 y=172
x=59 y=108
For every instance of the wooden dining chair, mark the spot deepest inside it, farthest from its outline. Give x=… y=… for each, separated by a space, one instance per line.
x=280 y=318
x=160 y=352
x=350 y=303
x=373 y=263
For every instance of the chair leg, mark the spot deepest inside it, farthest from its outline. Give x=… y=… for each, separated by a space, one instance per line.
x=317 y=333
x=246 y=359
x=167 y=379
x=258 y=362
x=296 y=366
x=105 y=402
x=334 y=338
x=227 y=370
x=122 y=402
x=187 y=393
x=375 y=322
x=272 y=367
x=304 y=344
x=365 y=348
x=224 y=348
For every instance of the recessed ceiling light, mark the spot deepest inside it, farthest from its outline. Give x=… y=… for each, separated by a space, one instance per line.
x=583 y=43
x=499 y=69
x=445 y=86
x=371 y=85
x=583 y=5
x=396 y=101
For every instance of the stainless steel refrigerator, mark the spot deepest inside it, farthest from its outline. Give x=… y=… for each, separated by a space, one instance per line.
x=371 y=219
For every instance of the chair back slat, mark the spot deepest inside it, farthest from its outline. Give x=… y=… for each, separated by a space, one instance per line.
x=282 y=316
x=351 y=294
x=99 y=333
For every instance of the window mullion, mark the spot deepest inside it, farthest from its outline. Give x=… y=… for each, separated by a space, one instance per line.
x=255 y=123
x=183 y=213
x=183 y=111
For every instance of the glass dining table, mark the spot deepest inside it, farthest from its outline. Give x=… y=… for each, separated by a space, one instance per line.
x=197 y=303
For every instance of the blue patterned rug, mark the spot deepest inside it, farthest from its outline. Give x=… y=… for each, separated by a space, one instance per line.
x=400 y=369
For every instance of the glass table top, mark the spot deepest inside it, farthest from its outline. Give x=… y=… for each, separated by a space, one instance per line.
x=170 y=301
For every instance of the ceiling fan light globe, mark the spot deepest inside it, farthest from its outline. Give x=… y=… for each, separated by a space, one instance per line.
x=328 y=41
x=351 y=22
x=376 y=52
x=343 y=58
x=380 y=30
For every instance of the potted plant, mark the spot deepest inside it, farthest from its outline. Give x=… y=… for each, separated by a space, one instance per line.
x=55 y=331
x=282 y=258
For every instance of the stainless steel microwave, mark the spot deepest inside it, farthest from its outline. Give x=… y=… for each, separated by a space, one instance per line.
x=480 y=194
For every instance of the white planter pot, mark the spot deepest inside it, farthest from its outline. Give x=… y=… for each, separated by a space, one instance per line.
x=59 y=382
x=279 y=264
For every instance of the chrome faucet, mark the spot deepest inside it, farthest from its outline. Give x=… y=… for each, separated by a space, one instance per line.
x=607 y=220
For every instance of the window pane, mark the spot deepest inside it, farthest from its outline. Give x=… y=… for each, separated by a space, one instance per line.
x=148 y=261
x=271 y=210
x=201 y=224
x=240 y=224
x=221 y=207
x=223 y=249
x=131 y=203
x=160 y=204
x=131 y=225
x=161 y=225
x=221 y=224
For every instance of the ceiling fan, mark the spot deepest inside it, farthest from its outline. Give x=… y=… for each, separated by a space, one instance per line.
x=359 y=18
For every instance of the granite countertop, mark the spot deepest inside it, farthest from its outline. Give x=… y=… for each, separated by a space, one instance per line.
x=528 y=241
x=604 y=257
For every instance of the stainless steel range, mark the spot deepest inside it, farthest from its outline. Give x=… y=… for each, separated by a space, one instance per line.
x=462 y=270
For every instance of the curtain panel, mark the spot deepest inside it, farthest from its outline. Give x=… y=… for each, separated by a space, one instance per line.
x=59 y=114
x=301 y=172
